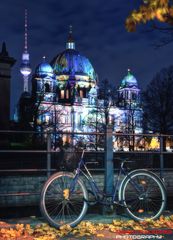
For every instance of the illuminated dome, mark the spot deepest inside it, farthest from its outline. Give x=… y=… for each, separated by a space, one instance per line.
x=44 y=69
x=70 y=64
x=129 y=81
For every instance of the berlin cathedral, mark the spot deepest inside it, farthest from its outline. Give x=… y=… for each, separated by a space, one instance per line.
x=66 y=95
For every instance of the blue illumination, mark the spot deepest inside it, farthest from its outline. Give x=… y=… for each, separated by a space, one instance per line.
x=44 y=69
x=70 y=62
x=129 y=81
x=93 y=92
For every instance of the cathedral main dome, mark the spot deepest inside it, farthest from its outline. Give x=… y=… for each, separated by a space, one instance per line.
x=71 y=65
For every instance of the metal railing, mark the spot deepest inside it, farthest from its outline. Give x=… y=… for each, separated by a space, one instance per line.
x=48 y=148
x=9 y=139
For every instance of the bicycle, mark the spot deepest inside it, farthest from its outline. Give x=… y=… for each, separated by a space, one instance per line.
x=65 y=197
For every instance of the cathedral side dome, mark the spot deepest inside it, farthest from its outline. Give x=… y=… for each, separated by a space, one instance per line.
x=44 y=69
x=129 y=81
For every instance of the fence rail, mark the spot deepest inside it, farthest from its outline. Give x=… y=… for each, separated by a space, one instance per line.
x=21 y=150
x=47 y=150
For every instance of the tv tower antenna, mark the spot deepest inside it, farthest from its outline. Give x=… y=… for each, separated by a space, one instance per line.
x=25 y=68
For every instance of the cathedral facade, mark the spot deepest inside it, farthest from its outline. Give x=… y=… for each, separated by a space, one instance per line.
x=65 y=97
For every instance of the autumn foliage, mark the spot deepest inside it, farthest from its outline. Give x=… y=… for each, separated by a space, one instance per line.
x=160 y=10
x=84 y=229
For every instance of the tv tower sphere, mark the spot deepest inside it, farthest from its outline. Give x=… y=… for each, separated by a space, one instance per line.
x=25 y=68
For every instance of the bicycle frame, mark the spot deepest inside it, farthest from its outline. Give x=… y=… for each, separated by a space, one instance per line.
x=95 y=189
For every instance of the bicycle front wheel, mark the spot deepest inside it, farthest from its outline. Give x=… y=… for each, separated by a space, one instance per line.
x=63 y=200
x=143 y=194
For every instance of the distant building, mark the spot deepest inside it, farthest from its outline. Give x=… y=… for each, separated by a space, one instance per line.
x=6 y=63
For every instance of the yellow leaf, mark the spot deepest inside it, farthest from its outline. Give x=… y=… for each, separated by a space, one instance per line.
x=160 y=15
x=137 y=16
x=117 y=223
x=66 y=193
x=100 y=235
x=130 y=25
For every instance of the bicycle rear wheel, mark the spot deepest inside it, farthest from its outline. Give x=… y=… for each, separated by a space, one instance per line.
x=144 y=195
x=63 y=200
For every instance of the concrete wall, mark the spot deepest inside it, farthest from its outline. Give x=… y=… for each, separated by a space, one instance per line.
x=33 y=184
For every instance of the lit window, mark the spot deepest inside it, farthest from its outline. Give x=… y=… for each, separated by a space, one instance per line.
x=62 y=94
x=47 y=118
x=81 y=93
x=67 y=94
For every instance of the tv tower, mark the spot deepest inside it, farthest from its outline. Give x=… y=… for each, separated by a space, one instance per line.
x=25 y=68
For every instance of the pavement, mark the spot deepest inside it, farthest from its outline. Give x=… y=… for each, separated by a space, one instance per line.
x=95 y=218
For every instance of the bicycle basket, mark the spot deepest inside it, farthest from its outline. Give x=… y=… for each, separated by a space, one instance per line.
x=71 y=157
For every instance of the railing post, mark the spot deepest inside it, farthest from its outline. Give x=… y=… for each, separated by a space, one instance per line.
x=161 y=157
x=48 y=154
x=109 y=173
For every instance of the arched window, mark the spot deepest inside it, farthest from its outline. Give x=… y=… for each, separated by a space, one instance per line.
x=81 y=93
x=62 y=94
x=134 y=96
x=67 y=94
x=46 y=87
x=84 y=92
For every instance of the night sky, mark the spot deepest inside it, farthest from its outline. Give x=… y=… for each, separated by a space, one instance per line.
x=99 y=33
